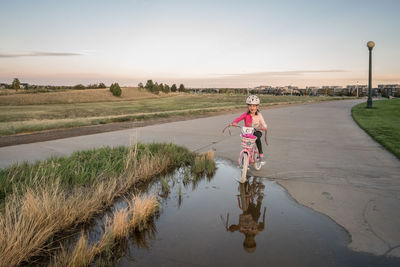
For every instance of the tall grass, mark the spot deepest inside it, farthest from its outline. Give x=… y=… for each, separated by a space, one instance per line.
x=84 y=167
x=204 y=164
x=81 y=168
x=38 y=204
x=117 y=229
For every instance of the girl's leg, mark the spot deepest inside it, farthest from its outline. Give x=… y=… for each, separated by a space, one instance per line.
x=258 y=141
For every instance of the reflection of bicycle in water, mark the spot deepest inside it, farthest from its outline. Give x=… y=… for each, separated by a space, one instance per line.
x=249 y=201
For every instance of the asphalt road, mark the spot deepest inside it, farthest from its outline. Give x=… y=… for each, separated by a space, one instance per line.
x=317 y=152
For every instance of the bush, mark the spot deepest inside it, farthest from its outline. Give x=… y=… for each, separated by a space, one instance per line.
x=79 y=87
x=115 y=89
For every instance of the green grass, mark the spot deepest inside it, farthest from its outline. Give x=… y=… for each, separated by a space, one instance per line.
x=382 y=122
x=84 y=167
x=16 y=119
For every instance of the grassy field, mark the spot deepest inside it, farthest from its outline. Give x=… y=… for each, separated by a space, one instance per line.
x=73 y=96
x=97 y=106
x=41 y=201
x=382 y=122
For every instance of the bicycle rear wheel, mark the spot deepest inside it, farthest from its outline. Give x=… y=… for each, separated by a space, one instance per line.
x=245 y=165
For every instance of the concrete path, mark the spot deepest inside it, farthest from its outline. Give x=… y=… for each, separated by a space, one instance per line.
x=317 y=152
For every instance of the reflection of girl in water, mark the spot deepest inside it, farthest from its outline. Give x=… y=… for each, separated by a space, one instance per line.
x=248 y=220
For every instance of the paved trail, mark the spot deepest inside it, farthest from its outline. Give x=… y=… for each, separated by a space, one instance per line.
x=317 y=152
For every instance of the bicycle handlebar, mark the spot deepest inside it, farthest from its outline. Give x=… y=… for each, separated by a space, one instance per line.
x=230 y=125
x=237 y=126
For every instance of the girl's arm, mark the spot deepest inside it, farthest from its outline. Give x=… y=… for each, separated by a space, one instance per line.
x=265 y=127
x=238 y=119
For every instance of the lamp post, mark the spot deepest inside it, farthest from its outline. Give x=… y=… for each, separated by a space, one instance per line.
x=370 y=45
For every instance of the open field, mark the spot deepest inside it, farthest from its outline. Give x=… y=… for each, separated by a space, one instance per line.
x=382 y=122
x=73 y=96
x=72 y=109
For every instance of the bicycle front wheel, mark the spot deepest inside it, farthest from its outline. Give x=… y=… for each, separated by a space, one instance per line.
x=257 y=161
x=245 y=165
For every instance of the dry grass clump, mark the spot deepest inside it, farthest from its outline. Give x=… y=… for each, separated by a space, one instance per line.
x=117 y=229
x=33 y=215
x=140 y=210
x=29 y=221
x=82 y=255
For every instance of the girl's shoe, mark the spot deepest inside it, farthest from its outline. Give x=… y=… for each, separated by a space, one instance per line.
x=261 y=157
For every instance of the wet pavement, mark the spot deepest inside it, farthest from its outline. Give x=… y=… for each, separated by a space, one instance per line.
x=216 y=221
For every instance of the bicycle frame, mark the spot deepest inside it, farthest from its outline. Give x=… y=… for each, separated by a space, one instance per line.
x=249 y=152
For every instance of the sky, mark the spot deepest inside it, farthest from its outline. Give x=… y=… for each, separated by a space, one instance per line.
x=199 y=43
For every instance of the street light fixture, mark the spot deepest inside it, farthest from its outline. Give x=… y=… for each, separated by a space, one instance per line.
x=370 y=45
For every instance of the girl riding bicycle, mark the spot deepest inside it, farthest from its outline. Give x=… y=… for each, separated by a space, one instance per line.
x=253 y=118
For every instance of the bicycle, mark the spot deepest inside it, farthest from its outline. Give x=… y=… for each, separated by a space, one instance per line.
x=249 y=153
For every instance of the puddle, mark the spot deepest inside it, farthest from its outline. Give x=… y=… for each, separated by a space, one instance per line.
x=217 y=222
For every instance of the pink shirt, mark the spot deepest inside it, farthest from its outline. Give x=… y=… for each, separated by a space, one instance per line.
x=256 y=121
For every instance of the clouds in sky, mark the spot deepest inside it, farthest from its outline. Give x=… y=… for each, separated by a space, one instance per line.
x=253 y=42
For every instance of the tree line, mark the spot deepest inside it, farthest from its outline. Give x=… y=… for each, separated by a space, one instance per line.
x=16 y=84
x=156 y=88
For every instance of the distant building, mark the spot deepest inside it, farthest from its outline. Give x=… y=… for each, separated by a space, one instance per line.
x=362 y=89
x=389 y=89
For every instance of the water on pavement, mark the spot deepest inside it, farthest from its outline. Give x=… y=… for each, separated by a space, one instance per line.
x=218 y=222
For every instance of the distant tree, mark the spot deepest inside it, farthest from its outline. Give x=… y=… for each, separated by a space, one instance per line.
x=161 y=87
x=166 y=89
x=173 y=88
x=140 y=85
x=92 y=86
x=182 y=88
x=149 y=85
x=156 y=88
x=115 y=89
x=102 y=85
x=16 y=84
x=79 y=87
